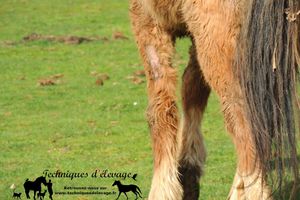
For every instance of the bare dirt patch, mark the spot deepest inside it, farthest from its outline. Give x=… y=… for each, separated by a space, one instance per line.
x=100 y=77
x=119 y=36
x=51 y=80
x=62 y=39
x=65 y=39
x=137 y=77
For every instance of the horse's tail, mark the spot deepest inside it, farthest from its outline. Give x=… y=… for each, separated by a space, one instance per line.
x=267 y=63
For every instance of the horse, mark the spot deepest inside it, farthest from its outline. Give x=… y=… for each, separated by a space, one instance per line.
x=127 y=188
x=247 y=52
x=34 y=185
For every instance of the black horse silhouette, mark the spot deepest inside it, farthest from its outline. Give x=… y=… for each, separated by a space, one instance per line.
x=34 y=185
x=17 y=195
x=127 y=188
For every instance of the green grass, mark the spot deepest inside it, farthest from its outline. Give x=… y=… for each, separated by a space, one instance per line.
x=77 y=125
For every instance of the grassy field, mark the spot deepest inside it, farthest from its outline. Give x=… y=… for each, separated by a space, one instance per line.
x=75 y=124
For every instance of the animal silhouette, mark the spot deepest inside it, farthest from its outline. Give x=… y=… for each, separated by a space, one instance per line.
x=50 y=190
x=127 y=188
x=17 y=195
x=41 y=195
x=34 y=185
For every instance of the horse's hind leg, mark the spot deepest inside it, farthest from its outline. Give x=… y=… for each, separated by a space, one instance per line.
x=156 y=48
x=195 y=92
x=248 y=182
x=136 y=194
x=125 y=195
x=215 y=35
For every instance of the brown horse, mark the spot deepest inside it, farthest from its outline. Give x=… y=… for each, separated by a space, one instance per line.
x=247 y=51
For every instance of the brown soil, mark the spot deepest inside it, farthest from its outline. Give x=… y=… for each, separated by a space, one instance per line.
x=62 y=39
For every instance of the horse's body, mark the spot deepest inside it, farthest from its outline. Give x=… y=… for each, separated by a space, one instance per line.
x=247 y=52
x=34 y=185
x=127 y=188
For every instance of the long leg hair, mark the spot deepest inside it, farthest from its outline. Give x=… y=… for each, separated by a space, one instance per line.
x=266 y=66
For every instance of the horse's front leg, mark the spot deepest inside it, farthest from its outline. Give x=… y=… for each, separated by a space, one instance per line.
x=156 y=48
x=118 y=196
x=27 y=194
